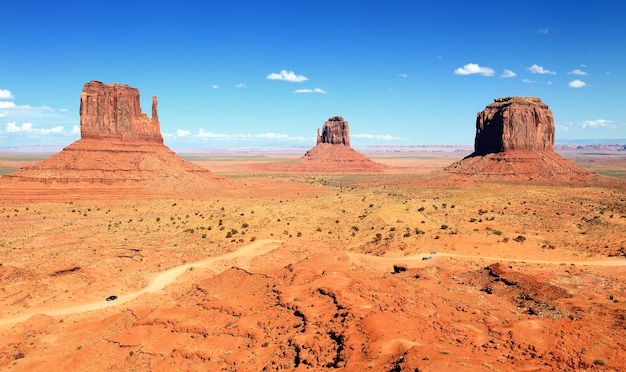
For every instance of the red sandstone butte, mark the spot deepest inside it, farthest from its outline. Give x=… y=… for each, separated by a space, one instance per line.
x=114 y=111
x=333 y=152
x=335 y=131
x=121 y=152
x=514 y=123
x=515 y=141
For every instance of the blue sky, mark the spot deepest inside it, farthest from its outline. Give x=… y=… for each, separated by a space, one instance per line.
x=269 y=73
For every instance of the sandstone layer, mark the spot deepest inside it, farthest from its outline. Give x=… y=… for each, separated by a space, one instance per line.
x=515 y=141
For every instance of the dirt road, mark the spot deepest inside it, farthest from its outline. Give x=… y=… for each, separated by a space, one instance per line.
x=243 y=258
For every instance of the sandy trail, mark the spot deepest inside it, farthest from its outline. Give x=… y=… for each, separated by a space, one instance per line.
x=244 y=256
x=159 y=281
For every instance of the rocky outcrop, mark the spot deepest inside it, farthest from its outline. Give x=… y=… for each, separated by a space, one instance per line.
x=514 y=123
x=120 y=153
x=515 y=142
x=114 y=111
x=335 y=131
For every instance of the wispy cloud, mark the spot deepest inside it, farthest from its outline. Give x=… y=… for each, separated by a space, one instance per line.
x=289 y=76
x=528 y=81
x=6 y=94
x=380 y=137
x=576 y=83
x=241 y=85
x=508 y=74
x=536 y=69
x=247 y=137
x=403 y=75
x=182 y=133
x=589 y=124
x=473 y=68
x=12 y=127
x=215 y=86
x=316 y=90
x=578 y=72
x=543 y=31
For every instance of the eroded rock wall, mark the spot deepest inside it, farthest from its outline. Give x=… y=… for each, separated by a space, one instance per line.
x=113 y=111
x=514 y=123
x=335 y=131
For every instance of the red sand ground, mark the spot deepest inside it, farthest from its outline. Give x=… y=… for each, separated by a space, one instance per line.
x=315 y=271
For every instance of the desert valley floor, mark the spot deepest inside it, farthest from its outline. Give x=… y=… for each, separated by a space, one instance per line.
x=402 y=270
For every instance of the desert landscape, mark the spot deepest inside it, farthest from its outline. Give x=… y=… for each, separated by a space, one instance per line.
x=506 y=256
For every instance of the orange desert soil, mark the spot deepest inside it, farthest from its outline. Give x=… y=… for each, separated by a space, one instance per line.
x=399 y=270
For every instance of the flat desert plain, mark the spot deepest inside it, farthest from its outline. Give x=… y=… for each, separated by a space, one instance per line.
x=395 y=271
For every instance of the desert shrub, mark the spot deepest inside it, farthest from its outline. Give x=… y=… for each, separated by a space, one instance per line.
x=444 y=227
x=519 y=238
x=599 y=362
x=420 y=209
x=244 y=225
x=253 y=238
x=203 y=236
x=355 y=228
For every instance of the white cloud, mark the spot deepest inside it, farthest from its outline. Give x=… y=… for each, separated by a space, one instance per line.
x=76 y=129
x=381 y=137
x=64 y=110
x=576 y=83
x=316 y=90
x=7 y=105
x=599 y=123
x=248 y=137
x=4 y=114
x=403 y=75
x=289 y=76
x=241 y=85
x=12 y=127
x=215 y=86
x=536 y=69
x=543 y=31
x=527 y=81
x=472 y=68
x=182 y=133
x=577 y=72
x=6 y=94
x=508 y=74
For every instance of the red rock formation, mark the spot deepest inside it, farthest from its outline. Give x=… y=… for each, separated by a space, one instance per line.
x=113 y=111
x=332 y=154
x=514 y=123
x=335 y=131
x=515 y=141
x=121 y=151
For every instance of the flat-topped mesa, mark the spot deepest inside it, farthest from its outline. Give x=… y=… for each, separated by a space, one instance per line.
x=514 y=123
x=113 y=111
x=334 y=131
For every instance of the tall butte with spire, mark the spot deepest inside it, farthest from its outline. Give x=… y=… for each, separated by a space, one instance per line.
x=515 y=141
x=120 y=153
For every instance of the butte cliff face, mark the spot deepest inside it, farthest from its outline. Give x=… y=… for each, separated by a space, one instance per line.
x=113 y=111
x=515 y=141
x=333 y=153
x=335 y=131
x=514 y=123
x=120 y=154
